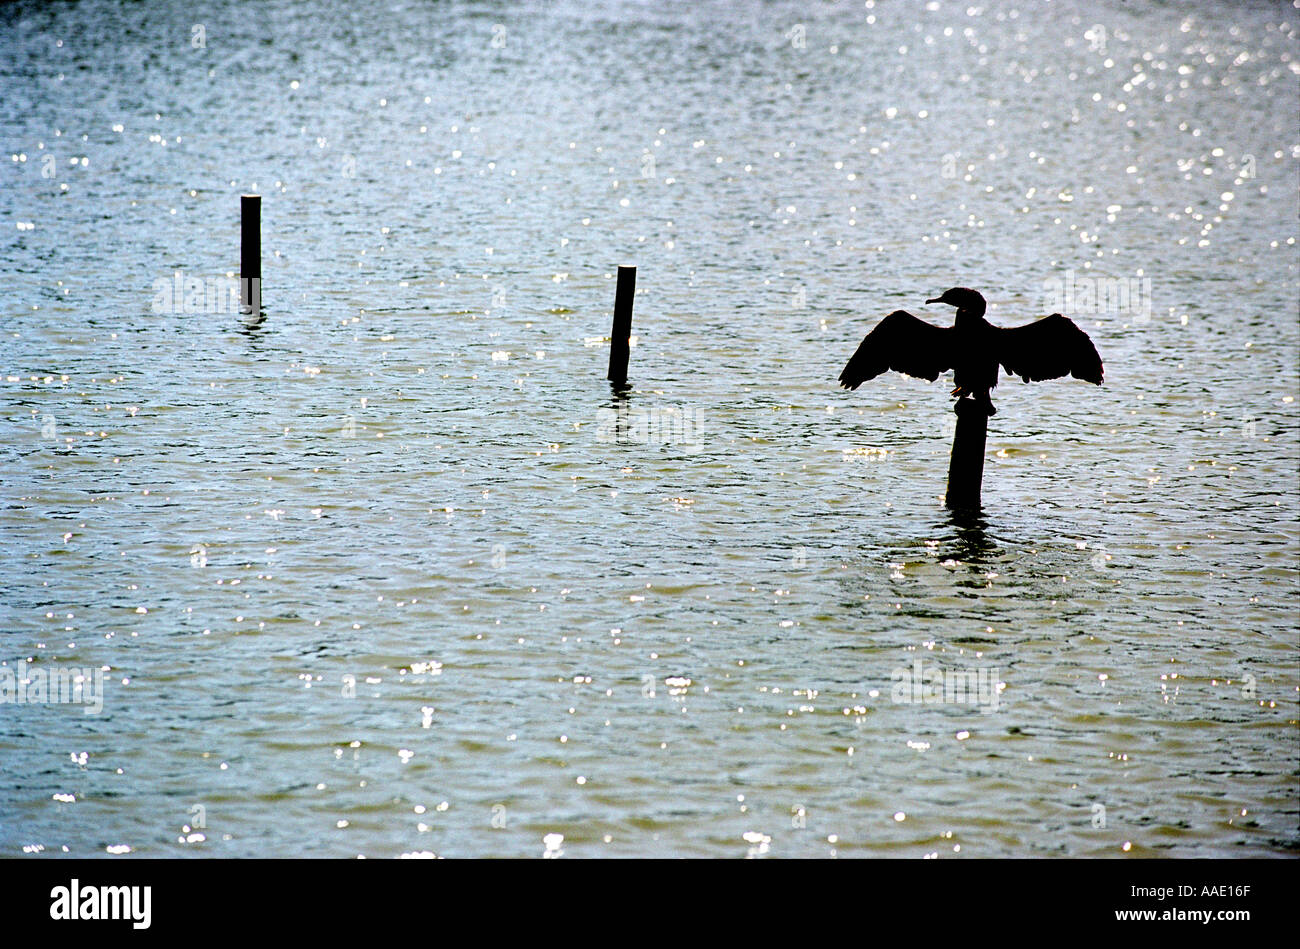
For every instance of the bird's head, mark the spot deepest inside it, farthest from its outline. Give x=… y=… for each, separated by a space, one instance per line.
x=962 y=298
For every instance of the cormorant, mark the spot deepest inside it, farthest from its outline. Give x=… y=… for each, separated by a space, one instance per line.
x=973 y=348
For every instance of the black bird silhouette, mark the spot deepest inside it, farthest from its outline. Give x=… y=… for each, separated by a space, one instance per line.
x=973 y=348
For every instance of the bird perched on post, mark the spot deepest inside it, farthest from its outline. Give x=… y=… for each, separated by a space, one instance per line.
x=973 y=348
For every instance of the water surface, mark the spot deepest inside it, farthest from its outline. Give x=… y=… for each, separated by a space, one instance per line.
x=375 y=574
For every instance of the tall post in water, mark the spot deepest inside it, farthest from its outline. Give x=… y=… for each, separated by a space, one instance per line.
x=250 y=253
x=620 y=337
x=966 y=466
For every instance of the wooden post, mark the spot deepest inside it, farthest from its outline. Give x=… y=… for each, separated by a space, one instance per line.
x=622 y=332
x=966 y=466
x=250 y=252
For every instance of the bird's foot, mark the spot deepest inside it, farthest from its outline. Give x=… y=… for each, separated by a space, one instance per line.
x=984 y=403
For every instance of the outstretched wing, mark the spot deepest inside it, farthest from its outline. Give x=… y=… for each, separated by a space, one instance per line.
x=1048 y=349
x=904 y=344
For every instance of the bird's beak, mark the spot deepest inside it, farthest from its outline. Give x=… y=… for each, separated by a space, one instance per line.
x=935 y=300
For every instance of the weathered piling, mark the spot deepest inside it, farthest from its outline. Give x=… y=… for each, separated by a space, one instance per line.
x=966 y=466
x=250 y=252
x=620 y=336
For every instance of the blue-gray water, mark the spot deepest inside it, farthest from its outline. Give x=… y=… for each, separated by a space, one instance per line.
x=378 y=575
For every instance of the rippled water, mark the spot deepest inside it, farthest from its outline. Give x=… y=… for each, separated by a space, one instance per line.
x=377 y=574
